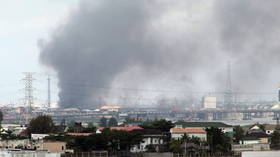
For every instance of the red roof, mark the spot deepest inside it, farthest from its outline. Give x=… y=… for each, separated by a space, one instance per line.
x=79 y=134
x=7 y=118
x=123 y=128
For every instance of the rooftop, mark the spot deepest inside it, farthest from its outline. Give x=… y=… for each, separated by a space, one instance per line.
x=187 y=130
x=79 y=134
x=202 y=124
x=122 y=128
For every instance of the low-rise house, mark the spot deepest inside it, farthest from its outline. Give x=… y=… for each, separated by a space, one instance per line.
x=178 y=133
x=152 y=139
x=228 y=129
x=255 y=140
x=52 y=146
x=256 y=128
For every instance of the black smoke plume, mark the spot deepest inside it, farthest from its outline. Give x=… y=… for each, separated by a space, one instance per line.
x=109 y=49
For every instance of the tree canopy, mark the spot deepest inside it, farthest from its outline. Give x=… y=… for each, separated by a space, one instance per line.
x=275 y=140
x=162 y=125
x=238 y=133
x=112 y=140
x=42 y=124
x=217 y=140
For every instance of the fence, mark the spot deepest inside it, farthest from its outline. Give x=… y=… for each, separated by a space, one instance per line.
x=129 y=154
x=208 y=155
x=87 y=154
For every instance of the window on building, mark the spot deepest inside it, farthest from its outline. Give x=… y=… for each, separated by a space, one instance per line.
x=62 y=148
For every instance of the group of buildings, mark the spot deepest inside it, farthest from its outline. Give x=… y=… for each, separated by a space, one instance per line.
x=256 y=137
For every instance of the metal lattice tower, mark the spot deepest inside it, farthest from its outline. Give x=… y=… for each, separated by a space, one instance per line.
x=228 y=95
x=28 y=91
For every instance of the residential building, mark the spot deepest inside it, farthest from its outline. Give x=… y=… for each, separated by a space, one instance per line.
x=151 y=138
x=255 y=140
x=178 y=133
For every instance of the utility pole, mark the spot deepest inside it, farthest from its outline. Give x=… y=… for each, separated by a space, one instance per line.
x=49 y=92
x=28 y=90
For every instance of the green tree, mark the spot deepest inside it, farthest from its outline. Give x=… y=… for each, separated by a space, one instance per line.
x=103 y=122
x=275 y=140
x=175 y=146
x=217 y=140
x=112 y=122
x=111 y=140
x=42 y=124
x=162 y=125
x=238 y=133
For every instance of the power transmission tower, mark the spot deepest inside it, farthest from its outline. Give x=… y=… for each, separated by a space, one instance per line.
x=49 y=92
x=228 y=95
x=28 y=90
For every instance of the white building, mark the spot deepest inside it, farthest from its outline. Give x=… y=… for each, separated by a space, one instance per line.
x=151 y=138
x=178 y=133
x=209 y=102
x=38 y=136
x=147 y=140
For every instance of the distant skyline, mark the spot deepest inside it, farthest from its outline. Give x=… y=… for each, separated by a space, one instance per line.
x=22 y=24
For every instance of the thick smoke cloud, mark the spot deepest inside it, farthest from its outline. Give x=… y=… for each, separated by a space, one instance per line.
x=109 y=49
x=250 y=34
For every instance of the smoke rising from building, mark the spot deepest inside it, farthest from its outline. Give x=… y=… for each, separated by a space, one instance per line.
x=110 y=49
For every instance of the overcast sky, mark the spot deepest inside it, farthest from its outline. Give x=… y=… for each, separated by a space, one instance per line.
x=22 y=23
